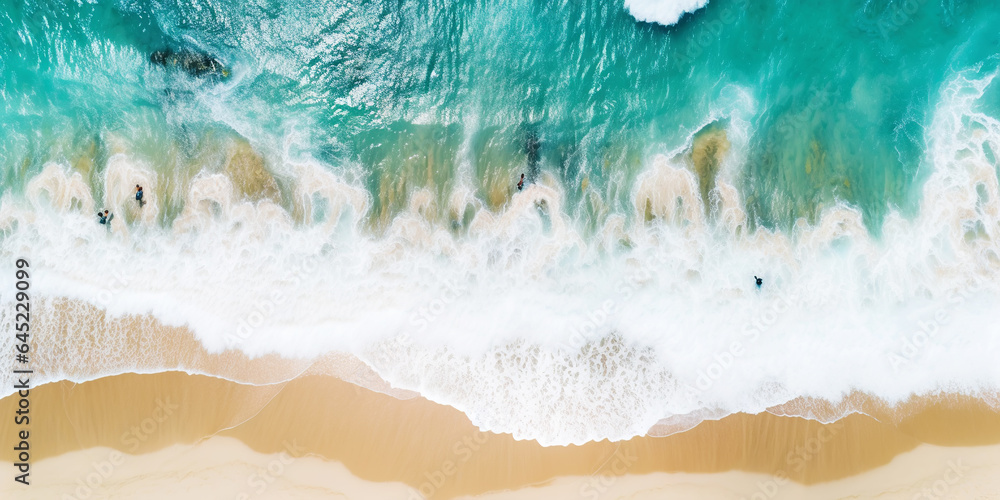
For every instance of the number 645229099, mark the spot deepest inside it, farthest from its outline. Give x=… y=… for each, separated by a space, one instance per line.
x=23 y=305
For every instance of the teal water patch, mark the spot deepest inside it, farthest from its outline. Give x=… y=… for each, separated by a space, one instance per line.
x=836 y=97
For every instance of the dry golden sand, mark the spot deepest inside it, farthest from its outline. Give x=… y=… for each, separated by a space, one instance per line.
x=418 y=443
x=225 y=468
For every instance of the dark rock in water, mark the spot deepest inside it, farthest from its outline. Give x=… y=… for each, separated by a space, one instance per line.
x=193 y=63
x=531 y=146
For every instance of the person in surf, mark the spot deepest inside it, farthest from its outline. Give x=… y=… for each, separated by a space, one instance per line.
x=138 y=195
x=105 y=218
x=760 y=281
x=520 y=183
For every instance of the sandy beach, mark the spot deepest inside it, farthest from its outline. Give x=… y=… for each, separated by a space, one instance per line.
x=169 y=425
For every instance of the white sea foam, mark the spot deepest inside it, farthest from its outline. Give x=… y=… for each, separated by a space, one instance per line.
x=665 y=12
x=531 y=328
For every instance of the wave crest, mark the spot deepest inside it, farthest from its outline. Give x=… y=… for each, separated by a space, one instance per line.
x=665 y=12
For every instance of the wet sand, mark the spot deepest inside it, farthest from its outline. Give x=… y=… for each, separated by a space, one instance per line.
x=436 y=450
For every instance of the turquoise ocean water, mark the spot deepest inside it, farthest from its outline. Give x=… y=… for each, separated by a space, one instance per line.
x=847 y=151
x=369 y=85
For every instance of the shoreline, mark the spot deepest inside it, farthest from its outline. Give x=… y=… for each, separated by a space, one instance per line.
x=79 y=337
x=415 y=442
